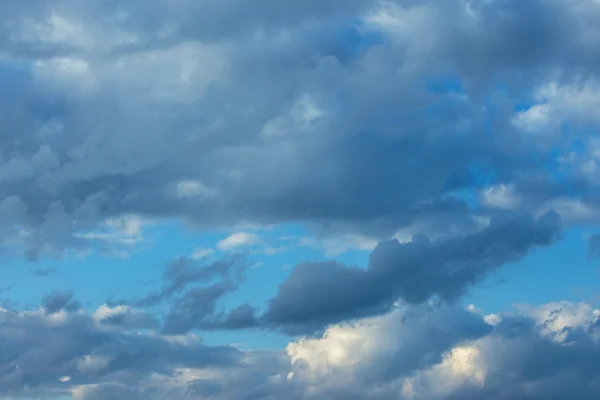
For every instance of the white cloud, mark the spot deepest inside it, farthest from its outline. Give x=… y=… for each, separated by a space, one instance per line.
x=126 y=230
x=105 y=311
x=572 y=210
x=303 y=117
x=93 y=363
x=557 y=105
x=201 y=253
x=395 y=341
x=555 y=318
x=238 y=239
x=501 y=196
x=190 y=188
x=346 y=353
x=337 y=245
x=118 y=237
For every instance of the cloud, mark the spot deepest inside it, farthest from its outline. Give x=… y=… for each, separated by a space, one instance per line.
x=428 y=351
x=182 y=273
x=119 y=236
x=202 y=253
x=192 y=290
x=40 y=350
x=60 y=300
x=193 y=308
x=431 y=352
x=397 y=342
x=358 y=119
x=193 y=189
x=123 y=317
x=345 y=116
x=317 y=294
x=238 y=239
x=334 y=246
x=501 y=196
x=594 y=246
x=245 y=242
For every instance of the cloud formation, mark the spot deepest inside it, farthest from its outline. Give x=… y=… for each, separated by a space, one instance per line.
x=347 y=116
x=429 y=351
x=318 y=294
x=50 y=355
x=450 y=138
x=536 y=353
x=60 y=300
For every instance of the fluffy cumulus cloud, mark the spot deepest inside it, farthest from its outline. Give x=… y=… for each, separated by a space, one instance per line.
x=537 y=353
x=448 y=138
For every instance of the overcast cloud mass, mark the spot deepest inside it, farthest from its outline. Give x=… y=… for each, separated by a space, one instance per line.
x=446 y=140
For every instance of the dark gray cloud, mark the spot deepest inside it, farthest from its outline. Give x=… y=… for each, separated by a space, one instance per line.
x=316 y=294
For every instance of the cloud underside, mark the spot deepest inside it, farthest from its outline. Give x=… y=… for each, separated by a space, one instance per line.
x=466 y=130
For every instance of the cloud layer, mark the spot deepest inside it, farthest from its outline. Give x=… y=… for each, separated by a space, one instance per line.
x=355 y=117
x=450 y=138
x=413 y=352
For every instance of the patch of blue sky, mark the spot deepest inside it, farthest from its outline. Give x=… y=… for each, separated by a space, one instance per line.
x=537 y=279
x=282 y=248
x=346 y=39
x=562 y=271
x=357 y=36
x=98 y=277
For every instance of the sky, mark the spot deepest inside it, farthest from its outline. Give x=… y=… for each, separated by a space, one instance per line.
x=299 y=200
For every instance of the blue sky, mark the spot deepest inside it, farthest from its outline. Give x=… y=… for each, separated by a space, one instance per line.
x=301 y=200
x=92 y=275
